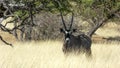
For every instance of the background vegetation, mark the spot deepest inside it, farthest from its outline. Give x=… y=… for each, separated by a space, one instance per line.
x=40 y=19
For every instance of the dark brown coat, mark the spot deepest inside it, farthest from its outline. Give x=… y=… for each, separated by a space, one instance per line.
x=77 y=44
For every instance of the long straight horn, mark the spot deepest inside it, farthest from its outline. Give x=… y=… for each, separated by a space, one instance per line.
x=71 y=21
x=63 y=21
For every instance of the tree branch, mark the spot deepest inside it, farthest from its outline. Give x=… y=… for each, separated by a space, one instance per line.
x=102 y=21
x=5 y=41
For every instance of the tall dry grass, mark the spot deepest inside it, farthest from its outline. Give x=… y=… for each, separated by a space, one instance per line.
x=48 y=54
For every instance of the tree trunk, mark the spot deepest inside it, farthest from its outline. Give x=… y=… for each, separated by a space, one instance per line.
x=94 y=29
x=101 y=22
x=28 y=31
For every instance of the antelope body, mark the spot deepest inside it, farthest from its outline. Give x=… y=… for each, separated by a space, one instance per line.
x=75 y=44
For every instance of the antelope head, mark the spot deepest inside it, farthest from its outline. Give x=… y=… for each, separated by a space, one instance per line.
x=67 y=31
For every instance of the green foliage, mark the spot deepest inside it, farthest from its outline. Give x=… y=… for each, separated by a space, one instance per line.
x=22 y=13
x=87 y=9
x=95 y=8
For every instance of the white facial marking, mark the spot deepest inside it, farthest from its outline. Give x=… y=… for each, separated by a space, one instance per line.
x=67 y=39
x=66 y=32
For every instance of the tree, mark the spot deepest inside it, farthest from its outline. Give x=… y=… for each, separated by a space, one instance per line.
x=96 y=12
x=22 y=14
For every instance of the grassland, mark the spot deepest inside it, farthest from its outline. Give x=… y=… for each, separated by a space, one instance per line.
x=48 y=54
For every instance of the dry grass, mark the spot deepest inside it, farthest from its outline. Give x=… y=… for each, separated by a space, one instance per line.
x=48 y=54
x=105 y=32
x=109 y=30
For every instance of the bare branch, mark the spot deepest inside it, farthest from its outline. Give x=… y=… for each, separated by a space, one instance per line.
x=5 y=41
x=117 y=15
x=102 y=21
x=8 y=10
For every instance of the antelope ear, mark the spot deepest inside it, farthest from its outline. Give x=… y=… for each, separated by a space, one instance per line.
x=74 y=30
x=61 y=30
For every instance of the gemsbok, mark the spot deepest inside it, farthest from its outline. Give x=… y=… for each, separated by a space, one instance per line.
x=74 y=44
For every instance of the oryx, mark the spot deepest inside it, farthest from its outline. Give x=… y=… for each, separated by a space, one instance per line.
x=74 y=44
